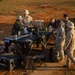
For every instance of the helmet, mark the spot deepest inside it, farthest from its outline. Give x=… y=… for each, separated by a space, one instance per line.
x=26 y=12
x=19 y=17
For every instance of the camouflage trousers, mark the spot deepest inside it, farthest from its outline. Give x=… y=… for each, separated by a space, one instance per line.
x=59 y=50
x=70 y=57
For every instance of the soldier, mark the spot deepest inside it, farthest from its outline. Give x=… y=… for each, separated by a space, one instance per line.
x=60 y=40
x=17 y=27
x=66 y=20
x=70 y=44
x=27 y=19
x=52 y=26
x=27 y=22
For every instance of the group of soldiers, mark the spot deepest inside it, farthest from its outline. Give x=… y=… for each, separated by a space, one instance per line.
x=65 y=38
x=22 y=23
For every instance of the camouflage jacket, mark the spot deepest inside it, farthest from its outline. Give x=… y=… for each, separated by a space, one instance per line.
x=16 y=27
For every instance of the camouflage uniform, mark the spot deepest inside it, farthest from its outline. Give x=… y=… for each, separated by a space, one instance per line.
x=65 y=26
x=27 y=21
x=70 y=41
x=60 y=41
x=16 y=27
x=70 y=44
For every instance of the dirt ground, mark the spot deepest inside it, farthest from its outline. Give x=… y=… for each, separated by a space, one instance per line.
x=45 y=12
x=51 y=69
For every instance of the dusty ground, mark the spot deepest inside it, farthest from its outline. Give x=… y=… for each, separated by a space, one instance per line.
x=51 y=69
x=39 y=11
